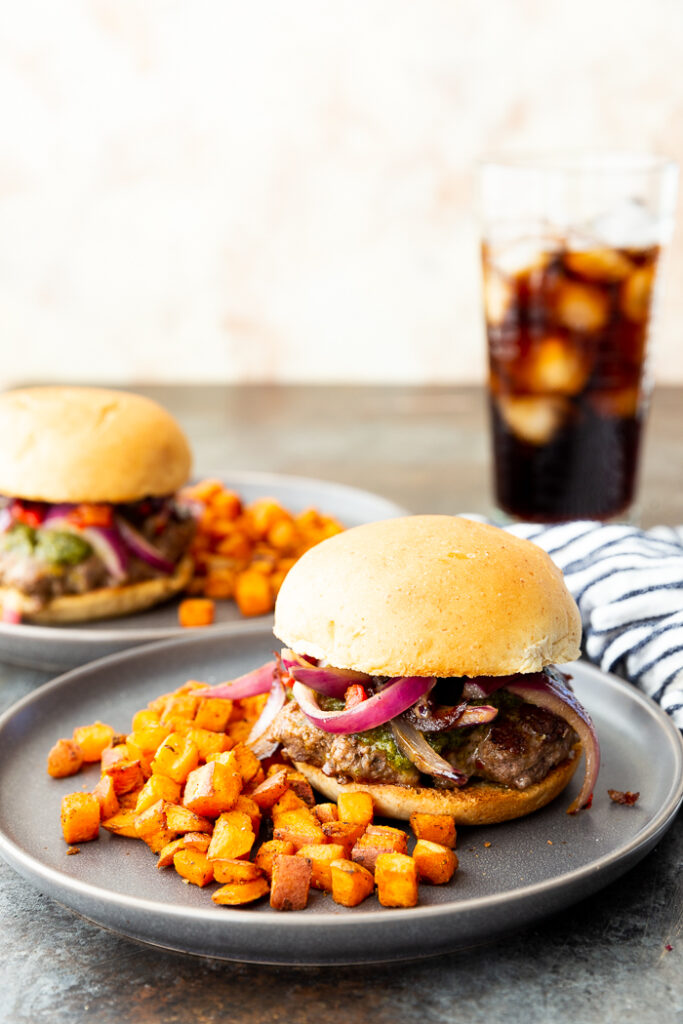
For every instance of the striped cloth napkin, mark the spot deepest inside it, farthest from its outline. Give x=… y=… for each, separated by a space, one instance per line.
x=628 y=584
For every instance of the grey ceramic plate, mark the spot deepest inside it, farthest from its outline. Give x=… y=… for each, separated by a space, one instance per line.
x=532 y=867
x=57 y=648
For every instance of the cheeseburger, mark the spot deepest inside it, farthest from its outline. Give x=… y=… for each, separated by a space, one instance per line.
x=421 y=665
x=89 y=524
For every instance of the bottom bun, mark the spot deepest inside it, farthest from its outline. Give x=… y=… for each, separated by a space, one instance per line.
x=105 y=603
x=478 y=803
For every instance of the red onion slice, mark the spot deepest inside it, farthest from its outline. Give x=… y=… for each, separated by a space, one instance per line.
x=483 y=686
x=415 y=747
x=141 y=547
x=395 y=698
x=249 y=685
x=104 y=540
x=332 y=682
x=548 y=690
x=273 y=706
x=476 y=716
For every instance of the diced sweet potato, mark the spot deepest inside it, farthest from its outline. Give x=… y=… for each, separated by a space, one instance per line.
x=176 y=757
x=436 y=828
x=239 y=731
x=158 y=787
x=194 y=866
x=106 y=797
x=248 y=763
x=344 y=833
x=190 y=841
x=144 y=719
x=289 y=801
x=92 y=739
x=241 y=892
x=159 y=840
x=232 y=871
x=355 y=808
x=325 y=812
x=298 y=827
x=65 y=758
x=80 y=817
x=149 y=738
x=252 y=593
x=114 y=754
x=321 y=858
x=396 y=878
x=246 y=804
x=180 y=819
x=351 y=883
x=299 y=785
x=136 y=753
x=208 y=742
x=290 y=883
x=268 y=792
x=213 y=713
x=233 y=836
x=267 y=853
x=212 y=789
x=122 y=824
x=378 y=839
x=152 y=819
x=130 y=799
x=125 y=775
x=435 y=863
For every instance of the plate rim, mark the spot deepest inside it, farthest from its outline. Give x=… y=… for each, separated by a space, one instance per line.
x=110 y=634
x=644 y=839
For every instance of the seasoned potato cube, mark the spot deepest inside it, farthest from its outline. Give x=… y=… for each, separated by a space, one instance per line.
x=232 y=871
x=298 y=827
x=144 y=719
x=213 y=713
x=190 y=841
x=233 y=836
x=289 y=801
x=321 y=858
x=241 y=892
x=92 y=739
x=122 y=824
x=252 y=593
x=355 y=808
x=344 y=833
x=176 y=757
x=268 y=792
x=152 y=819
x=194 y=866
x=325 y=812
x=180 y=705
x=159 y=840
x=125 y=775
x=149 y=738
x=290 y=882
x=437 y=828
x=267 y=853
x=114 y=754
x=106 y=797
x=246 y=804
x=208 y=742
x=180 y=819
x=80 y=817
x=378 y=839
x=351 y=883
x=212 y=789
x=65 y=758
x=435 y=863
x=396 y=878
x=158 y=787
x=248 y=764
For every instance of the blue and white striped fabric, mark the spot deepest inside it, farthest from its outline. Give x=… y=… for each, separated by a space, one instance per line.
x=628 y=584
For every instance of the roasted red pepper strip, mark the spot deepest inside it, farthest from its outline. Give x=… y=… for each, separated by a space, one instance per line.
x=26 y=514
x=354 y=695
x=90 y=515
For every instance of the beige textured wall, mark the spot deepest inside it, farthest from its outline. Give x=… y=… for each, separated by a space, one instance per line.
x=242 y=190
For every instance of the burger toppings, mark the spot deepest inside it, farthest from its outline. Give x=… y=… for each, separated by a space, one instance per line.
x=373 y=729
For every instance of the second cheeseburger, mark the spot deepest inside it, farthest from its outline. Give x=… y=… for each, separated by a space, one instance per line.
x=420 y=664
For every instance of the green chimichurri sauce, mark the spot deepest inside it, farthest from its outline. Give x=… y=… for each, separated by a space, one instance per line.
x=57 y=547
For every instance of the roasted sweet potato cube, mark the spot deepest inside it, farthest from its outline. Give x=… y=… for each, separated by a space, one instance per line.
x=92 y=739
x=180 y=819
x=208 y=742
x=321 y=858
x=129 y=800
x=396 y=878
x=289 y=801
x=144 y=719
x=122 y=824
x=65 y=758
x=159 y=840
x=106 y=796
x=298 y=827
x=232 y=871
x=136 y=753
x=213 y=713
x=176 y=757
x=248 y=763
x=114 y=755
x=190 y=841
x=252 y=593
x=152 y=819
x=80 y=817
x=375 y=840
x=180 y=705
x=435 y=863
x=351 y=882
x=232 y=837
x=125 y=775
x=212 y=789
x=325 y=812
x=241 y=892
x=436 y=828
x=344 y=833
x=196 y=611
x=158 y=787
x=239 y=731
x=149 y=738
x=268 y=792
x=246 y=804
x=355 y=808
x=290 y=882
x=267 y=853
x=194 y=866
x=301 y=786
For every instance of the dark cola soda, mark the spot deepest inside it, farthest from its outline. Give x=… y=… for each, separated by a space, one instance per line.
x=567 y=336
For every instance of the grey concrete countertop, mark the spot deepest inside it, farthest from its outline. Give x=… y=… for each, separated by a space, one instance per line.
x=615 y=959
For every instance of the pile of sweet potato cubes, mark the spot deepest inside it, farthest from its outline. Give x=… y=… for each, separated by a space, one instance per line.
x=185 y=783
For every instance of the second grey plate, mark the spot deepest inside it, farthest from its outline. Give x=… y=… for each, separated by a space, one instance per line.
x=510 y=874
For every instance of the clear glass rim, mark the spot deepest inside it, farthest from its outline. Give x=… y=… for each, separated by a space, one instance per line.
x=581 y=162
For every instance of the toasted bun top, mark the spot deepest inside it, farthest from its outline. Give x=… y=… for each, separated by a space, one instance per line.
x=88 y=444
x=428 y=595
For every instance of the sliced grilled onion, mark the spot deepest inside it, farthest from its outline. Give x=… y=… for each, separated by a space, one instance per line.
x=483 y=686
x=332 y=682
x=250 y=685
x=104 y=540
x=415 y=747
x=426 y=717
x=141 y=547
x=549 y=690
x=275 y=703
x=393 y=699
x=476 y=715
